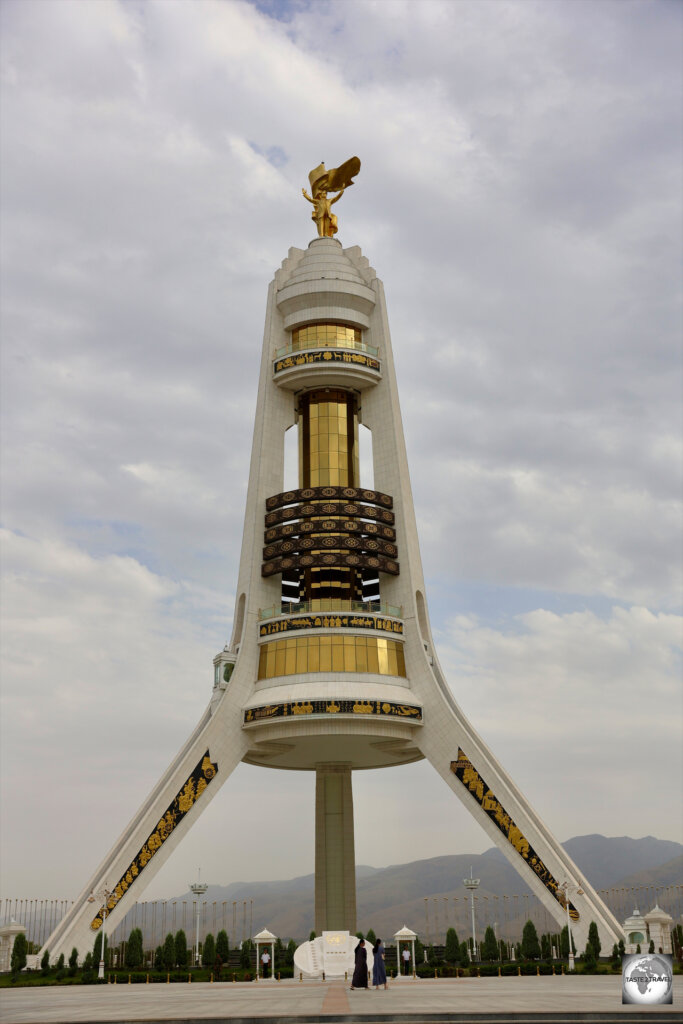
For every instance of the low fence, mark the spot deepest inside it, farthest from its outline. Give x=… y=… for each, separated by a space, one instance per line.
x=507 y=914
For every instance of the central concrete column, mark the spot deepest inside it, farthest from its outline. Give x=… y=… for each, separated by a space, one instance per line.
x=335 y=859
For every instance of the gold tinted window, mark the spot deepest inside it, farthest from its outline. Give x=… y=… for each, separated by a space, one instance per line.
x=326 y=336
x=328 y=439
x=331 y=653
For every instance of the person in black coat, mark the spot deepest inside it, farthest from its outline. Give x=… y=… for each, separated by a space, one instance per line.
x=360 y=971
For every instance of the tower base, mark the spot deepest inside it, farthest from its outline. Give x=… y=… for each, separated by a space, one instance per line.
x=335 y=861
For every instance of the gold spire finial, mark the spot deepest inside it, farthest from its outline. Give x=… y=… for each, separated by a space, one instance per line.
x=324 y=181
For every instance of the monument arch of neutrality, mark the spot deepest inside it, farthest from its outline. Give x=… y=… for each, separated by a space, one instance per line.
x=331 y=667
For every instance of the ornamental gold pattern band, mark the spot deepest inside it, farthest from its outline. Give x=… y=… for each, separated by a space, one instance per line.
x=335 y=706
x=301 y=654
x=326 y=357
x=330 y=622
x=325 y=493
x=176 y=811
x=318 y=542
x=470 y=777
x=358 y=527
x=330 y=508
x=331 y=560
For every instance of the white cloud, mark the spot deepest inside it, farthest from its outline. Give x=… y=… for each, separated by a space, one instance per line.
x=106 y=667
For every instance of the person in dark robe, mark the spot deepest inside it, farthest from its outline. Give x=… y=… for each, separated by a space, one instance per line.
x=379 y=971
x=360 y=971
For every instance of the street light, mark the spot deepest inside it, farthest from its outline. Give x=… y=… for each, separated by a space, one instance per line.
x=103 y=895
x=472 y=884
x=198 y=889
x=569 y=888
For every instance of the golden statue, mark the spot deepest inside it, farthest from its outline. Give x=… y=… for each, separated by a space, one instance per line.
x=322 y=182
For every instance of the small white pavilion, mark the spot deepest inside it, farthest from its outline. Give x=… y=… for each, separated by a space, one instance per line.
x=8 y=934
x=635 y=931
x=405 y=935
x=659 y=925
x=265 y=938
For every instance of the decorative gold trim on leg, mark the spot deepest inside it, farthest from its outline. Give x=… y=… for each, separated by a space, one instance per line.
x=470 y=777
x=189 y=794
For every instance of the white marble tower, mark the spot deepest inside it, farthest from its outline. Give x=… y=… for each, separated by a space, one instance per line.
x=331 y=666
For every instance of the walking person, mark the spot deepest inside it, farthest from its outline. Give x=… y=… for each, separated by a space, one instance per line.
x=379 y=971
x=360 y=971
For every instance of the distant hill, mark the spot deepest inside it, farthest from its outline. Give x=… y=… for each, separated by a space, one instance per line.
x=607 y=861
x=391 y=896
x=670 y=873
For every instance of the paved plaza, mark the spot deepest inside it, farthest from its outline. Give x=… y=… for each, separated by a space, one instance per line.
x=543 y=999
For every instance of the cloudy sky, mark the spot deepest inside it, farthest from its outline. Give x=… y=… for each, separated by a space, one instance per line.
x=520 y=198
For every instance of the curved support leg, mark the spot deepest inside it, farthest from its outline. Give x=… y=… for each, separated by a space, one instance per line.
x=466 y=764
x=210 y=755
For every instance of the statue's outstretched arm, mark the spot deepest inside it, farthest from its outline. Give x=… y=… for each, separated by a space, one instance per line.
x=339 y=194
x=305 y=194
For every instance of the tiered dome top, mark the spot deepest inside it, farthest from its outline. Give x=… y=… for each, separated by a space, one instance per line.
x=325 y=260
x=323 y=283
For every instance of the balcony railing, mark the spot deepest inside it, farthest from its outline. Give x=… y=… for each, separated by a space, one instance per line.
x=306 y=607
x=358 y=346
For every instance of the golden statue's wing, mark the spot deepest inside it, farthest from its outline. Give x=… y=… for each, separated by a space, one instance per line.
x=341 y=177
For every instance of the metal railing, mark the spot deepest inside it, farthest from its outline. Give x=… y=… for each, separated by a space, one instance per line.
x=305 y=607
x=356 y=346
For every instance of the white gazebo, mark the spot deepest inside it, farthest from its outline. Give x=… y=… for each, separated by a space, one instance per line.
x=8 y=934
x=265 y=938
x=635 y=932
x=659 y=929
x=405 y=935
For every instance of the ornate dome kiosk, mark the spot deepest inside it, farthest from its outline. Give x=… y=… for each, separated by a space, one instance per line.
x=331 y=666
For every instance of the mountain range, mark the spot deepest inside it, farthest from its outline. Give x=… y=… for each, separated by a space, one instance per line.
x=428 y=895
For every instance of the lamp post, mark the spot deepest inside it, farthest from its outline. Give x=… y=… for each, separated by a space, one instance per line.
x=103 y=895
x=569 y=888
x=198 y=889
x=472 y=884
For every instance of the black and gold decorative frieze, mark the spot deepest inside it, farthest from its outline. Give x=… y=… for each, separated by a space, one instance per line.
x=329 y=508
x=470 y=777
x=313 y=542
x=321 y=493
x=335 y=706
x=176 y=811
x=330 y=621
x=327 y=357
x=357 y=527
x=330 y=560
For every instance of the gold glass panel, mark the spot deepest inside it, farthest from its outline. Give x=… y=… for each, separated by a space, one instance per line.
x=325 y=657
x=280 y=653
x=326 y=336
x=328 y=439
x=338 y=659
x=383 y=657
x=331 y=653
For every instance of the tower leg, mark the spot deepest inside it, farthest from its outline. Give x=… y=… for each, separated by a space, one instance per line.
x=335 y=859
x=467 y=765
x=208 y=758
